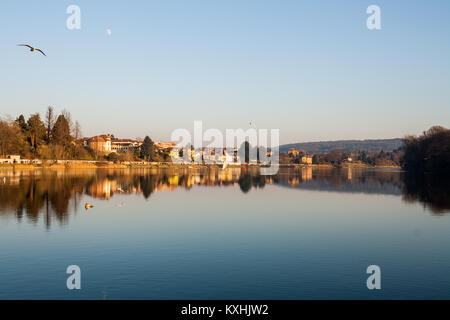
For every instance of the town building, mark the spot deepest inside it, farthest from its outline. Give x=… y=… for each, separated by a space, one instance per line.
x=165 y=146
x=307 y=159
x=294 y=153
x=100 y=144
x=125 y=145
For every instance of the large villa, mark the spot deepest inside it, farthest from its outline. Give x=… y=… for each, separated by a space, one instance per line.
x=106 y=143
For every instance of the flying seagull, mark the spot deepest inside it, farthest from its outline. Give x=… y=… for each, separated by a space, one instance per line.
x=32 y=48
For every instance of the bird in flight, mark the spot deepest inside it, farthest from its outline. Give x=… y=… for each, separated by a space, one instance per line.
x=32 y=48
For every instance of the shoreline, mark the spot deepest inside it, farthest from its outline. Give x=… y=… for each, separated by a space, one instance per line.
x=156 y=165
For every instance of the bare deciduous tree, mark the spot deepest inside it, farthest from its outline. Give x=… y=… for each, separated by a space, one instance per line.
x=77 y=131
x=49 y=122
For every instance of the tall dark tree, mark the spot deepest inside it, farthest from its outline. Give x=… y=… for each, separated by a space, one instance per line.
x=61 y=131
x=22 y=123
x=244 y=150
x=23 y=141
x=148 y=149
x=68 y=117
x=36 y=131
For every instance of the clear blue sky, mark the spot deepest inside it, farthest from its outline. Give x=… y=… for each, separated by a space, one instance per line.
x=310 y=68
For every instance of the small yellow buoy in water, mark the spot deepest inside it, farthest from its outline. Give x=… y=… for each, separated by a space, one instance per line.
x=88 y=206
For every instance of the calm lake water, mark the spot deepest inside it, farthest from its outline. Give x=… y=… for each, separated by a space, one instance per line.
x=223 y=234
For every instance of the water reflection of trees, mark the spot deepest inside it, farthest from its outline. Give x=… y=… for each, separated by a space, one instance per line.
x=433 y=191
x=52 y=194
x=29 y=195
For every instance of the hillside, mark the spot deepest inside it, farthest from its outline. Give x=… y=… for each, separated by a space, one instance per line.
x=345 y=145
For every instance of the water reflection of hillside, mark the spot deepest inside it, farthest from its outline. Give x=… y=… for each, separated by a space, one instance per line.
x=355 y=180
x=52 y=193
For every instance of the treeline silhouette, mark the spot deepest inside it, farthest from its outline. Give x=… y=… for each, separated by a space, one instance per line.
x=428 y=153
x=426 y=162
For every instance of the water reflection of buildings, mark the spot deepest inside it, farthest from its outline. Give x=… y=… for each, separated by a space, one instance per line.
x=154 y=180
x=306 y=174
x=31 y=193
x=102 y=189
x=106 y=187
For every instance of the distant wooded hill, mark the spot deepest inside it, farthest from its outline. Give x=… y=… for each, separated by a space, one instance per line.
x=345 y=145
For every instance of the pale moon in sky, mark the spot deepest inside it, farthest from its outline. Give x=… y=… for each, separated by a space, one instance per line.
x=108 y=32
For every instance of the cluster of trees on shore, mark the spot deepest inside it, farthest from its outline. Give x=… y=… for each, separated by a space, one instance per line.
x=428 y=153
x=56 y=136
x=373 y=158
x=337 y=157
x=53 y=137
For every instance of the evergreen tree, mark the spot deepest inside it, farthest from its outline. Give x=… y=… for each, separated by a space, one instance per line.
x=61 y=131
x=36 y=131
x=22 y=123
x=148 y=149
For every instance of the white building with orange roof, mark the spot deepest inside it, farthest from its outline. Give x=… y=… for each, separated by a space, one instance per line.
x=101 y=144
